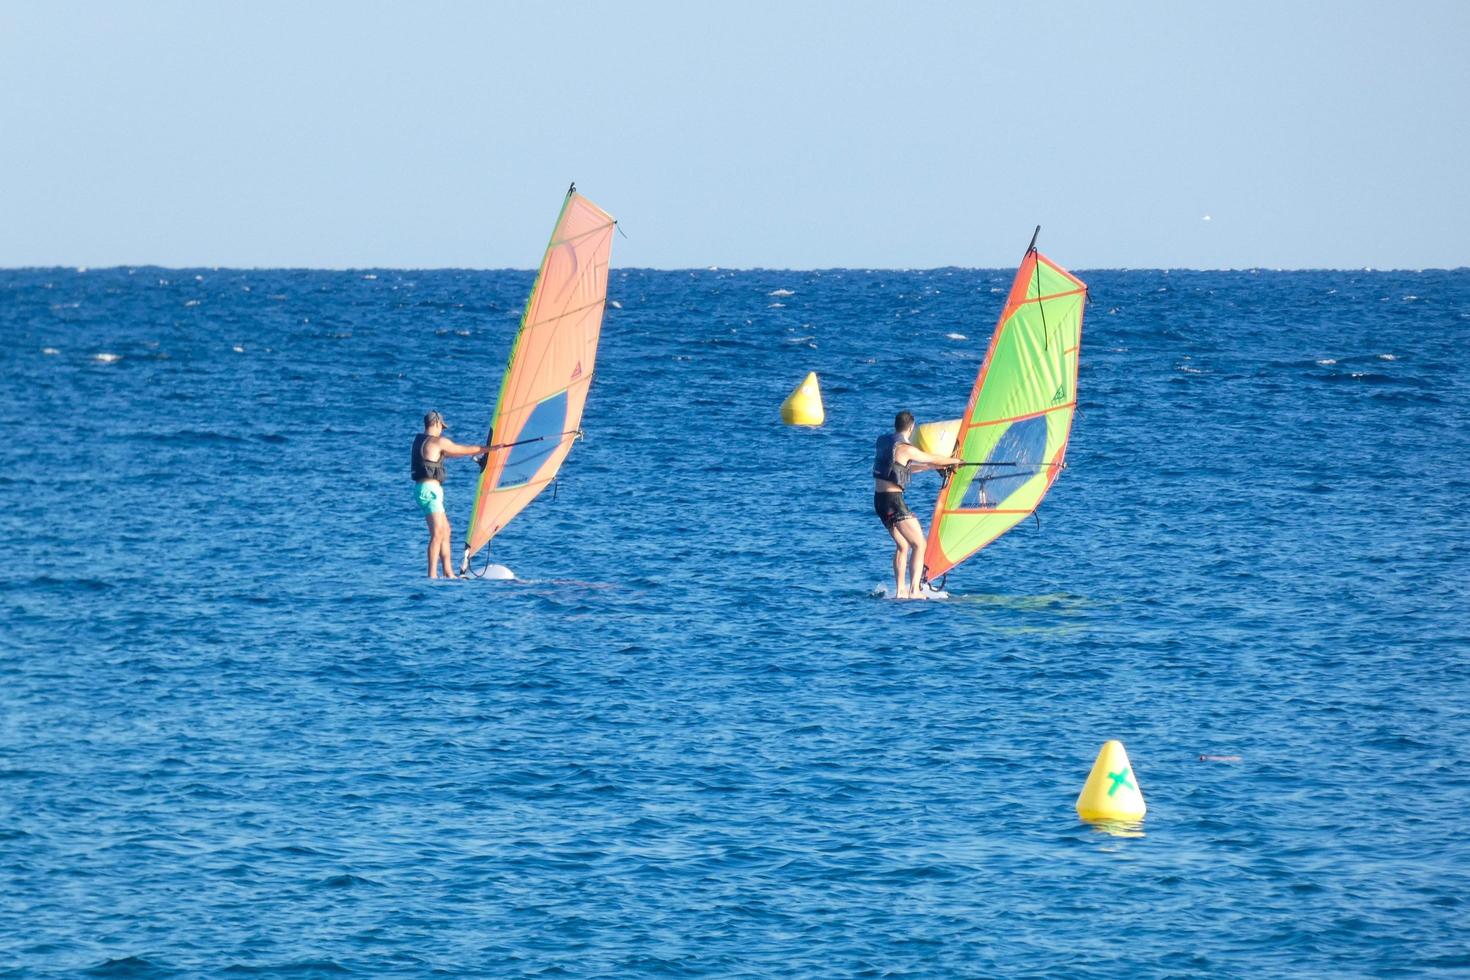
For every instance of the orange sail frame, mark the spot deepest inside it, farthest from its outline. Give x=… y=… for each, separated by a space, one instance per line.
x=544 y=390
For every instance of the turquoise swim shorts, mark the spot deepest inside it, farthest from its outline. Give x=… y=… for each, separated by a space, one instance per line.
x=430 y=497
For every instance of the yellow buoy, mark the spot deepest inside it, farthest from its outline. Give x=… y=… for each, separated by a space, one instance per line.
x=804 y=405
x=937 y=437
x=1111 y=791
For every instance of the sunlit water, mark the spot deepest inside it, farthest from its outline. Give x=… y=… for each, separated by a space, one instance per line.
x=239 y=731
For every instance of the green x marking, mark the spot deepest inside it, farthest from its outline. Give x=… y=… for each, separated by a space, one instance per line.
x=1119 y=778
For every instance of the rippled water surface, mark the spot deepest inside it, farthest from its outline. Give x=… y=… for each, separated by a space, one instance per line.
x=240 y=732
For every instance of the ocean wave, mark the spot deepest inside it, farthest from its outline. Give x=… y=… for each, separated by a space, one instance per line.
x=239 y=720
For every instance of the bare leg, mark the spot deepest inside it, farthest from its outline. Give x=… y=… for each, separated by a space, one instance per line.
x=444 y=550
x=900 y=560
x=433 y=545
x=438 y=545
x=913 y=533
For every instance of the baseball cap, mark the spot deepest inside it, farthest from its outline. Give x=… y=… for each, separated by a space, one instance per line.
x=433 y=417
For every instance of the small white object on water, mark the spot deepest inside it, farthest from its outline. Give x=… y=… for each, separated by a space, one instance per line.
x=926 y=591
x=106 y=358
x=49 y=350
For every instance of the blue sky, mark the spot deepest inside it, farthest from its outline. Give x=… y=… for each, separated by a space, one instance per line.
x=789 y=134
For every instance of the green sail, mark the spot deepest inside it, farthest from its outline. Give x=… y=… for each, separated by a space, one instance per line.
x=1013 y=436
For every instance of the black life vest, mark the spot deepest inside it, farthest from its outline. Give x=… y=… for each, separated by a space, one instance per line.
x=425 y=469
x=886 y=465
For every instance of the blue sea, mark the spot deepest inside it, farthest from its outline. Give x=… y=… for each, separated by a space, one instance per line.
x=240 y=733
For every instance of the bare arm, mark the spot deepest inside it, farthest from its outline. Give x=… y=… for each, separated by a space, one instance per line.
x=918 y=460
x=449 y=449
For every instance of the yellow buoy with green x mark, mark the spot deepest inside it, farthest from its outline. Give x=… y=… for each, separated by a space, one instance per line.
x=1111 y=791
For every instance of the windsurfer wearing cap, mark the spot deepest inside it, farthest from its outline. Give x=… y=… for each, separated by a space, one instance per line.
x=895 y=460
x=430 y=449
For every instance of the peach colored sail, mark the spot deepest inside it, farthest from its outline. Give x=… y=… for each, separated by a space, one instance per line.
x=538 y=414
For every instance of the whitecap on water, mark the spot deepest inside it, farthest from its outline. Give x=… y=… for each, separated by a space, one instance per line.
x=238 y=349
x=106 y=357
x=782 y=292
x=1388 y=357
x=370 y=276
x=49 y=350
x=773 y=306
x=615 y=304
x=192 y=302
x=956 y=336
x=1327 y=361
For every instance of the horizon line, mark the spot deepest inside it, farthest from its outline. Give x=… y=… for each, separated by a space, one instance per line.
x=133 y=267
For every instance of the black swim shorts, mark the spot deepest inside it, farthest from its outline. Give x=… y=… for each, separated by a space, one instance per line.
x=890 y=508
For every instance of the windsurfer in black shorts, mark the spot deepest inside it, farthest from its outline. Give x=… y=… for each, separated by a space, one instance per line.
x=895 y=461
